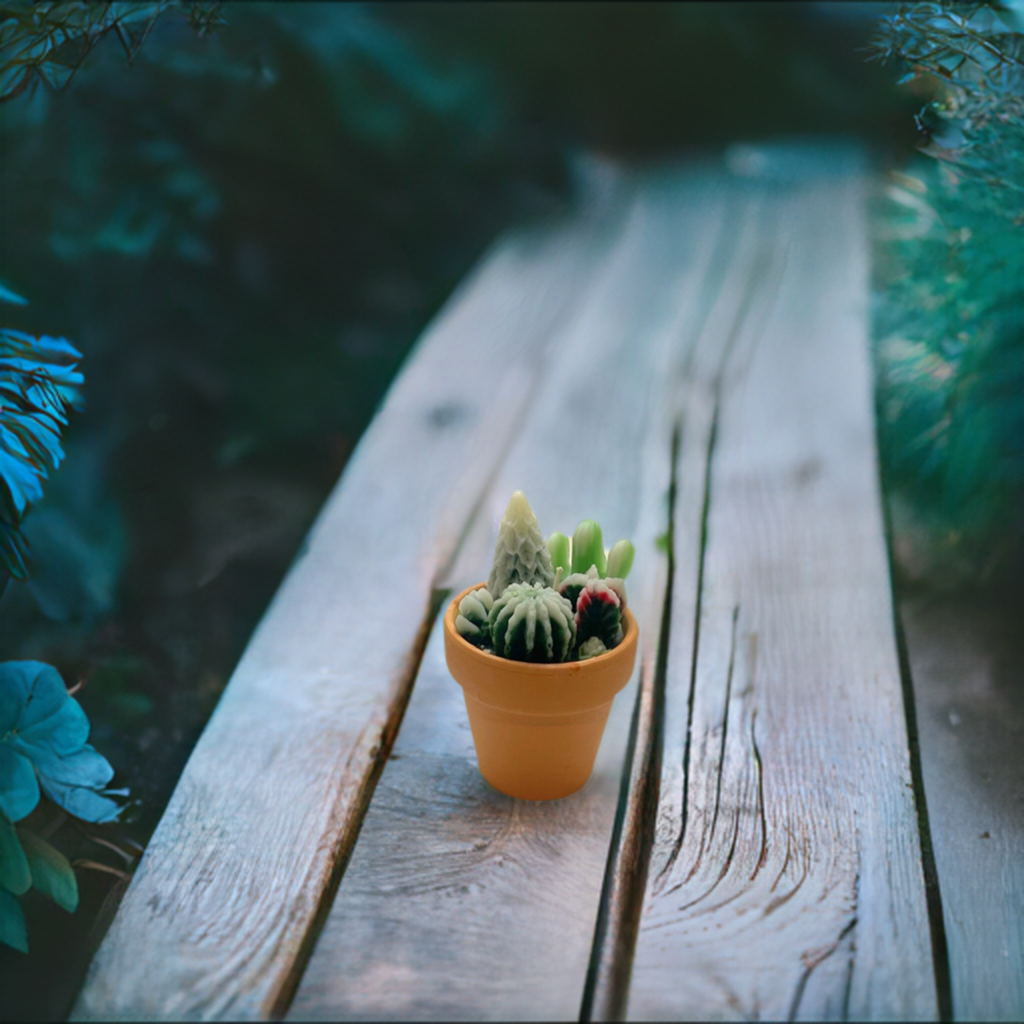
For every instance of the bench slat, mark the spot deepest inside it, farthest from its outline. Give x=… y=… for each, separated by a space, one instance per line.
x=223 y=908
x=786 y=878
x=461 y=903
x=967 y=664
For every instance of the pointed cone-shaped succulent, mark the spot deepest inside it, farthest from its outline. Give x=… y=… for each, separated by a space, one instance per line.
x=588 y=547
x=620 y=559
x=558 y=548
x=520 y=555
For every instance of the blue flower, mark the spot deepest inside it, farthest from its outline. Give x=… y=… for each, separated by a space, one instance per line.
x=43 y=733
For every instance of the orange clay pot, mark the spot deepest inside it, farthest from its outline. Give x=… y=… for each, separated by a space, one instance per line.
x=537 y=727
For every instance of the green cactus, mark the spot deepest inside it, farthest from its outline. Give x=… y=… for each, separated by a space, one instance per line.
x=520 y=555
x=588 y=548
x=599 y=613
x=471 y=622
x=531 y=622
x=619 y=586
x=620 y=559
x=571 y=586
x=592 y=648
x=558 y=548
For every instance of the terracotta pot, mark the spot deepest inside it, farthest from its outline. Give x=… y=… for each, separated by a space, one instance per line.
x=537 y=728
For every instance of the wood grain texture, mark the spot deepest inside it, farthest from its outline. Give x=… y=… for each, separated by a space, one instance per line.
x=785 y=879
x=461 y=903
x=223 y=909
x=967 y=664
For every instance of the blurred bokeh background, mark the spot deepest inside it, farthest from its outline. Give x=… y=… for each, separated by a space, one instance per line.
x=245 y=214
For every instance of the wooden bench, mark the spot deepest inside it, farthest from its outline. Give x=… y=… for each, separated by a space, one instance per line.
x=686 y=359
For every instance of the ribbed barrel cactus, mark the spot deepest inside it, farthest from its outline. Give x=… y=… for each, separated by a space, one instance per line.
x=531 y=622
x=471 y=622
x=520 y=555
x=599 y=613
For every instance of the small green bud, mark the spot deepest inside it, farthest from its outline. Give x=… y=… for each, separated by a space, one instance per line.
x=558 y=546
x=592 y=648
x=620 y=559
x=588 y=548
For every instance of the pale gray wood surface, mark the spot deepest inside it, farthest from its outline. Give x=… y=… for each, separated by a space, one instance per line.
x=459 y=902
x=223 y=909
x=967 y=664
x=785 y=879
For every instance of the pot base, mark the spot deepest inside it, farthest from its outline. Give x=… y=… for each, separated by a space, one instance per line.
x=536 y=758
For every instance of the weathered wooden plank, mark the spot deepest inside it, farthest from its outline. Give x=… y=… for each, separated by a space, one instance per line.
x=224 y=906
x=967 y=664
x=461 y=903
x=742 y=271
x=786 y=879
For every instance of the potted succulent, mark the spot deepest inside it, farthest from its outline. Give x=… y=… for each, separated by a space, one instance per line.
x=540 y=651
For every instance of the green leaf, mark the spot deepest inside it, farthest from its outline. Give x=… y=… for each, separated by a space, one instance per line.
x=52 y=875
x=19 y=788
x=12 y=922
x=15 y=875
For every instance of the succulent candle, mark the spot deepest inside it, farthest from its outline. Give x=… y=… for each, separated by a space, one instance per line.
x=531 y=622
x=548 y=601
x=520 y=555
x=471 y=622
x=588 y=548
x=599 y=613
x=558 y=547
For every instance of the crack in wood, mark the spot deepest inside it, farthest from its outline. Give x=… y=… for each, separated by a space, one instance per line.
x=677 y=845
x=812 y=960
x=759 y=768
x=725 y=722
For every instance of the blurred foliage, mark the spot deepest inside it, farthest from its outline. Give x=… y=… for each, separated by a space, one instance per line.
x=43 y=749
x=951 y=318
x=46 y=43
x=38 y=384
